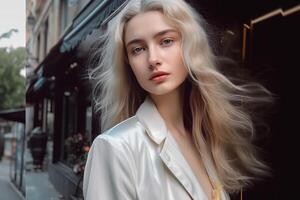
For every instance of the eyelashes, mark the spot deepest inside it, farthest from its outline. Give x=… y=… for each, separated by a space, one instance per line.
x=137 y=50
x=166 y=42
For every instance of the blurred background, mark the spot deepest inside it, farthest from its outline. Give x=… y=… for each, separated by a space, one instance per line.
x=47 y=122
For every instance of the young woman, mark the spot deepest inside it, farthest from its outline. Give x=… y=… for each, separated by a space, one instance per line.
x=176 y=128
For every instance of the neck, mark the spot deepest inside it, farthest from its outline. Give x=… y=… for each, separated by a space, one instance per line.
x=170 y=108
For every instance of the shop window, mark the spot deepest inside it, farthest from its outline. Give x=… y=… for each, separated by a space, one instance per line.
x=88 y=126
x=69 y=125
x=50 y=127
x=50 y=117
x=38 y=114
x=76 y=129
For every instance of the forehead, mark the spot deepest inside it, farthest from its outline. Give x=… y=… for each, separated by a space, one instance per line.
x=144 y=25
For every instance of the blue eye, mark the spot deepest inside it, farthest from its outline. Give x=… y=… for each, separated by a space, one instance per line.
x=136 y=50
x=167 y=42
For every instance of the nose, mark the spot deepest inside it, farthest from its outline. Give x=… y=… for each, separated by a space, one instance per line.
x=153 y=58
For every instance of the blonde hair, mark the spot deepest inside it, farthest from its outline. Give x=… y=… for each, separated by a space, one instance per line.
x=216 y=106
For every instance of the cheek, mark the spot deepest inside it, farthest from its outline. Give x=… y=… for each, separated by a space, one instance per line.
x=178 y=61
x=137 y=67
x=132 y=66
x=182 y=72
x=137 y=72
x=176 y=56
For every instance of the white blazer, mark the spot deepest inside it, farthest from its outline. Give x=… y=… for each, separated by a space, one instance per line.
x=138 y=159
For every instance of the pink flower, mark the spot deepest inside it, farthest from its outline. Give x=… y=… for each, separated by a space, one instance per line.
x=86 y=148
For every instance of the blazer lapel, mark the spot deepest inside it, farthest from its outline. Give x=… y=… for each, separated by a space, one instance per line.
x=170 y=153
x=176 y=163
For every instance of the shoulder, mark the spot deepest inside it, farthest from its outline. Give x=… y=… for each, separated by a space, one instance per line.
x=111 y=163
x=123 y=135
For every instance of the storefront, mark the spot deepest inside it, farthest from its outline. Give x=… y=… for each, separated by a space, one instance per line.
x=60 y=94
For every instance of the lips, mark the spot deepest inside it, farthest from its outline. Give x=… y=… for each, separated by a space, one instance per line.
x=158 y=74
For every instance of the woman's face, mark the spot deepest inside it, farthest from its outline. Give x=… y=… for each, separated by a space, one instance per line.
x=154 y=53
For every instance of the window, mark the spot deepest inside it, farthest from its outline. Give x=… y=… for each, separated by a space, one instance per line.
x=38 y=41
x=77 y=119
x=88 y=123
x=46 y=37
x=68 y=11
x=63 y=15
x=50 y=127
x=38 y=114
x=68 y=125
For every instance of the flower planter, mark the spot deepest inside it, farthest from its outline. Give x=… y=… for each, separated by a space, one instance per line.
x=37 y=145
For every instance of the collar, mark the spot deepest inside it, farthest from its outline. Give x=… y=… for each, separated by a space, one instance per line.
x=149 y=116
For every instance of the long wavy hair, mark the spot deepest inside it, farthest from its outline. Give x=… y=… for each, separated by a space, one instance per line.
x=214 y=107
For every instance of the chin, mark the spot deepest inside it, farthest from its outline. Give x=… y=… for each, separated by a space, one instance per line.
x=161 y=92
x=161 y=89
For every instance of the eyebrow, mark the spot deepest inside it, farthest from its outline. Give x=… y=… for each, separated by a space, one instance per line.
x=160 y=33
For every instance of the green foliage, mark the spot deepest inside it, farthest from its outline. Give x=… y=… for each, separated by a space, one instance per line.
x=12 y=84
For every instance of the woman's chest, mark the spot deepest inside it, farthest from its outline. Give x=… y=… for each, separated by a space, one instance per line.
x=163 y=174
x=157 y=180
x=195 y=162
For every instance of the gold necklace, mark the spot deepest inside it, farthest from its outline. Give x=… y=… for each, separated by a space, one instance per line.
x=216 y=185
x=216 y=190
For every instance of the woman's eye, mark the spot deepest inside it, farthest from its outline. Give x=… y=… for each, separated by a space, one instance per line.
x=136 y=50
x=167 y=42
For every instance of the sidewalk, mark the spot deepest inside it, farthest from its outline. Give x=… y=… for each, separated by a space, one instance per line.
x=38 y=186
x=7 y=189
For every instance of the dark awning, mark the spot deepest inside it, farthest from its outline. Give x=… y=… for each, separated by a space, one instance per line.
x=95 y=14
x=39 y=87
x=61 y=55
x=17 y=115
